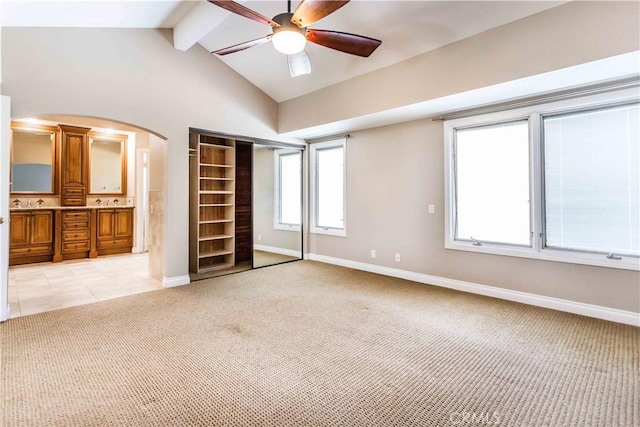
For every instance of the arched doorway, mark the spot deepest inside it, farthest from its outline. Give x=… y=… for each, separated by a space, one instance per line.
x=43 y=286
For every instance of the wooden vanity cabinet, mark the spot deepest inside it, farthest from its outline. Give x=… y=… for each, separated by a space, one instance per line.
x=114 y=231
x=31 y=236
x=73 y=166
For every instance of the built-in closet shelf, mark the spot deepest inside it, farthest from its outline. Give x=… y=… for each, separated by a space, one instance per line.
x=212 y=186
x=216 y=192
x=215 y=253
x=215 y=267
x=219 y=237
x=213 y=178
x=215 y=165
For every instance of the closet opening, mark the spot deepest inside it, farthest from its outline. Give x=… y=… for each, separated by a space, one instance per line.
x=245 y=203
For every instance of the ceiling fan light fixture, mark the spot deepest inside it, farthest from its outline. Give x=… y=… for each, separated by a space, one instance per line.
x=288 y=38
x=288 y=41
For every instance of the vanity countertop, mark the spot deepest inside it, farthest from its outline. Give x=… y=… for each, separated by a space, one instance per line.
x=65 y=208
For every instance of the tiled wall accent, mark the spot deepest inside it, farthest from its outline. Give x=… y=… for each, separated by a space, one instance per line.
x=122 y=200
x=156 y=238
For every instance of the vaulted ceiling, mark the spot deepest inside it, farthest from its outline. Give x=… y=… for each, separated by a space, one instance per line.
x=406 y=28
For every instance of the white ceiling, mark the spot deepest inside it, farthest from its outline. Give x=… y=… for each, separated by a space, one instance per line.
x=406 y=28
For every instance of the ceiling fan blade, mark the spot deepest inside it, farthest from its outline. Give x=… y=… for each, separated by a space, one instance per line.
x=243 y=46
x=310 y=11
x=239 y=9
x=299 y=64
x=344 y=42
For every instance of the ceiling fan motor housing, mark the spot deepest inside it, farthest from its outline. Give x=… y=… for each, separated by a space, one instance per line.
x=284 y=19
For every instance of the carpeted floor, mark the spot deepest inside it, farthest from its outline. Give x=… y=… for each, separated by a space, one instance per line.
x=308 y=344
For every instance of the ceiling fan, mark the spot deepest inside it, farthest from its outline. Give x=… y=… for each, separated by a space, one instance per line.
x=291 y=32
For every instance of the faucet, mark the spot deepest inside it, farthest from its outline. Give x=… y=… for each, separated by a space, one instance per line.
x=16 y=203
x=107 y=202
x=39 y=203
x=115 y=202
x=29 y=203
x=99 y=202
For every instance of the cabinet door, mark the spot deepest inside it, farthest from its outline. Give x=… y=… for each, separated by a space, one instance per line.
x=42 y=227
x=123 y=223
x=73 y=165
x=73 y=159
x=19 y=228
x=106 y=224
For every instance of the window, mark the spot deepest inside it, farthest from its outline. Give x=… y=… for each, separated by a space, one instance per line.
x=288 y=189
x=328 y=187
x=591 y=180
x=492 y=183
x=558 y=181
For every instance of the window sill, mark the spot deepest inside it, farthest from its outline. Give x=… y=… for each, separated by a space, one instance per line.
x=555 y=255
x=286 y=227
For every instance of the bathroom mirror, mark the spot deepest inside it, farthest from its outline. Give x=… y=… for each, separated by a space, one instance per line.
x=107 y=164
x=32 y=159
x=277 y=205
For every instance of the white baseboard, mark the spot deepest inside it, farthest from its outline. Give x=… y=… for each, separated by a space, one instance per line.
x=276 y=250
x=590 y=310
x=172 y=282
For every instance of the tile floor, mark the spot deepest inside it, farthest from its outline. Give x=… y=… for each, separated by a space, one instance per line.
x=35 y=288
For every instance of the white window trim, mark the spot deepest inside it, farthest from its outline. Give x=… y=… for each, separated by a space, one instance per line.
x=535 y=114
x=277 y=225
x=313 y=202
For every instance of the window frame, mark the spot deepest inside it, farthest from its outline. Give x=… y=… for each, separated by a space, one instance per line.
x=535 y=115
x=277 y=190
x=313 y=187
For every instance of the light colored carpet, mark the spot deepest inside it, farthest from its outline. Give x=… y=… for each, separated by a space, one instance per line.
x=307 y=344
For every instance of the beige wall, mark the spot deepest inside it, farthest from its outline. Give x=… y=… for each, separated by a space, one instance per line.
x=263 y=206
x=136 y=76
x=572 y=34
x=393 y=174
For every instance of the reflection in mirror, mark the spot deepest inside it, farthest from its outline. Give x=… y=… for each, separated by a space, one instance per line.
x=107 y=163
x=277 y=205
x=32 y=159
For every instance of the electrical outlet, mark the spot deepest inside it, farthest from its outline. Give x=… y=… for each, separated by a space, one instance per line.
x=259 y=237
x=432 y=209
x=373 y=253
x=397 y=257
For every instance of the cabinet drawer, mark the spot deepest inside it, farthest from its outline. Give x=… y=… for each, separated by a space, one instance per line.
x=76 y=216
x=73 y=201
x=78 y=234
x=112 y=243
x=75 y=246
x=73 y=191
x=31 y=250
x=70 y=226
